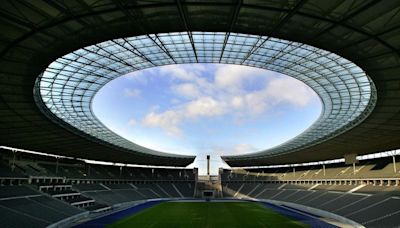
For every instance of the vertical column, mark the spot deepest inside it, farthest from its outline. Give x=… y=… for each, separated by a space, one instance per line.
x=196 y=174
x=208 y=165
x=56 y=165
x=13 y=161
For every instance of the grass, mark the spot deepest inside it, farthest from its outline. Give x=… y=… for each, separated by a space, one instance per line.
x=207 y=214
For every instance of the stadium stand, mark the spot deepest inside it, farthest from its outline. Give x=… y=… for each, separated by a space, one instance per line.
x=369 y=196
x=23 y=206
x=67 y=187
x=44 y=190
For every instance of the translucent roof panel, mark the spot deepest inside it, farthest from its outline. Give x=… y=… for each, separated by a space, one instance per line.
x=68 y=85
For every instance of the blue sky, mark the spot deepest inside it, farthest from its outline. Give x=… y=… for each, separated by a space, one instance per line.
x=200 y=109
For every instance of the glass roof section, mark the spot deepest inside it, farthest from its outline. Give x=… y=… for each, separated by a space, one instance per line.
x=65 y=90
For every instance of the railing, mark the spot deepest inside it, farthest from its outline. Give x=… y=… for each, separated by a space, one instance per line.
x=353 y=181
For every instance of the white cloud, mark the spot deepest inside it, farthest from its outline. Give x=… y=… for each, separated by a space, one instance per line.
x=290 y=91
x=198 y=97
x=233 y=76
x=256 y=102
x=139 y=76
x=168 y=121
x=132 y=92
x=278 y=91
x=171 y=120
x=237 y=102
x=198 y=67
x=204 y=106
x=179 y=72
x=243 y=148
x=187 y=90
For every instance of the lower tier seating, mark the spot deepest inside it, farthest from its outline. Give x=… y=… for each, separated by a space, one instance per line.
x=370 y=208
x=111 y=194
x=22 y=206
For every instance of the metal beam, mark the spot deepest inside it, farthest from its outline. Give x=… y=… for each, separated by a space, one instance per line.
x=234 y=18
x=272 y=32
x=187 y=26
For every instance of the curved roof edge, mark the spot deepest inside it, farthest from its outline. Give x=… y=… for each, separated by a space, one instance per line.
x=365 y=32
x=68 y=85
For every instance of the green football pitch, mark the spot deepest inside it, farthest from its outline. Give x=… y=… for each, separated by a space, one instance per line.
x=207 y=214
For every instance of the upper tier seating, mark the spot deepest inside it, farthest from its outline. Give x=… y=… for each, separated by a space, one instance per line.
x=379 y=168
x=39 y=165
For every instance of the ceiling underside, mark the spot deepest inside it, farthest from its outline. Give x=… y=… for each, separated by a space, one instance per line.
x=36 y=33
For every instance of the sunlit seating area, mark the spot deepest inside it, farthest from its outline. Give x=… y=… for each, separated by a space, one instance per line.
x=368 y=193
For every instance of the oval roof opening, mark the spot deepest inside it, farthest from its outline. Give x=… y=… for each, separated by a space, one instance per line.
x=200 y=109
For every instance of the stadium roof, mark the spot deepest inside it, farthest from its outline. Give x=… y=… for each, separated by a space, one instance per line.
x=67 y=87
x=35 y=34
